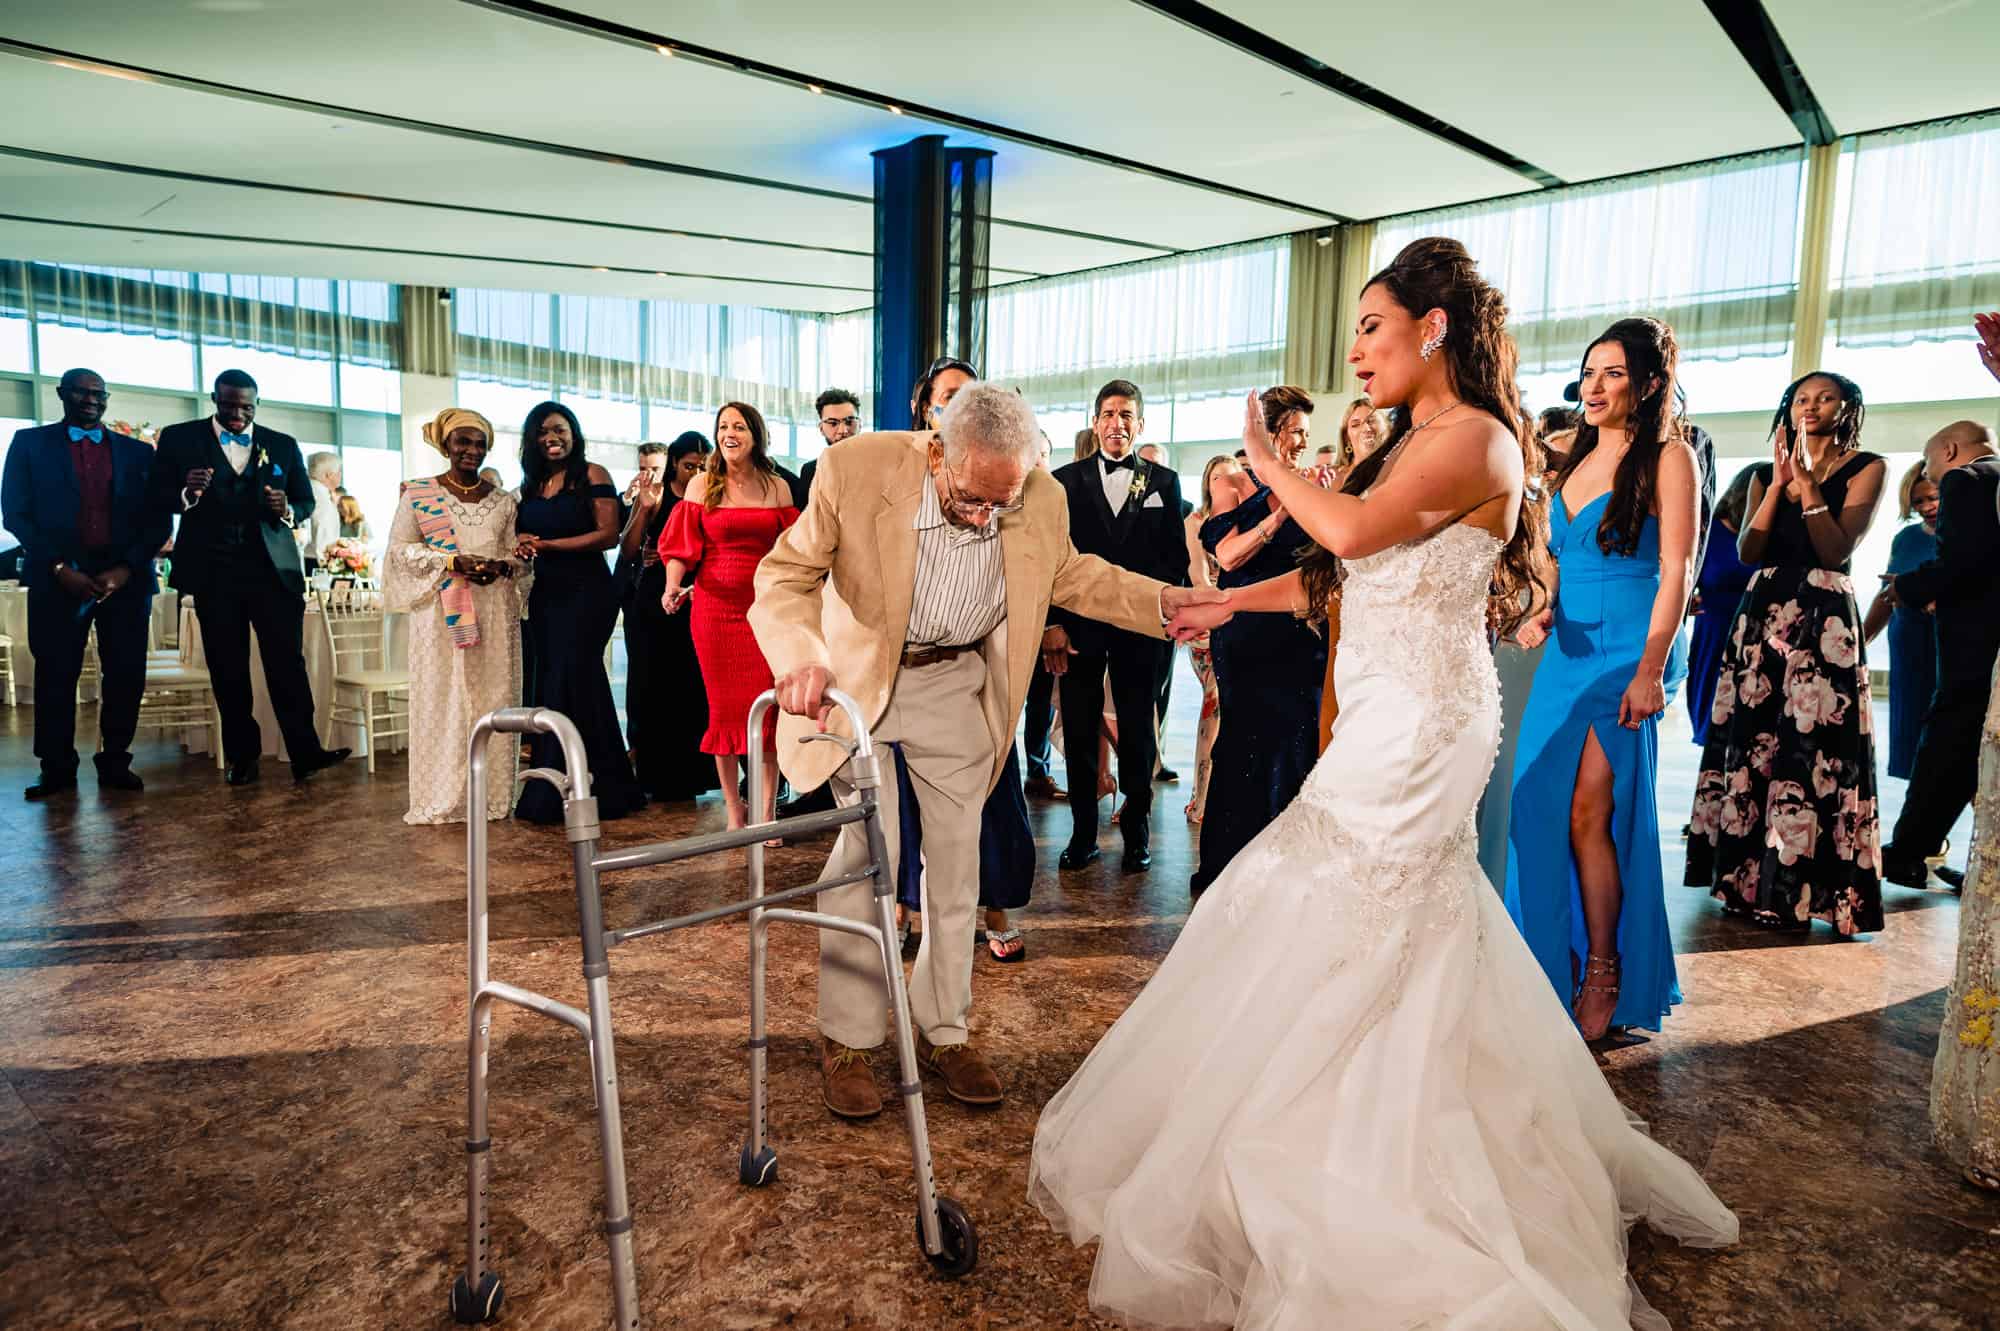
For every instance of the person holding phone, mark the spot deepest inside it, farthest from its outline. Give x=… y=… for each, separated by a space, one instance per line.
x=1786 y=827
x=241 y=492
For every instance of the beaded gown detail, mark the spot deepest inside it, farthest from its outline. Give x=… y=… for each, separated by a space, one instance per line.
x=1349 y=1097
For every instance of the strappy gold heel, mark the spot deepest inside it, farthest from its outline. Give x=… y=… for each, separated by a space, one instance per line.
x=1596 y=971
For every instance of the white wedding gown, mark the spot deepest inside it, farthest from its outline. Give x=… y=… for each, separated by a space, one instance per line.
x=1349 y=1097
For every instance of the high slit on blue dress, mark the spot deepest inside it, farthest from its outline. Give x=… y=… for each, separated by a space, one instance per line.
x=1604 y=604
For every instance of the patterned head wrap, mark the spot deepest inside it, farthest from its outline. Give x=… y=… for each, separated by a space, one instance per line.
x=439 y=430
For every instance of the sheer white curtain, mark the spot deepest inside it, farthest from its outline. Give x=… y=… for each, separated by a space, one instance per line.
x=1711 y=249
x=1918 y=230
x=1196 y=325
x=681 y=360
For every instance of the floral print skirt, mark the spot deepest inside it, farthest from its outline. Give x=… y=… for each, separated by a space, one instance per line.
x=1785 y=828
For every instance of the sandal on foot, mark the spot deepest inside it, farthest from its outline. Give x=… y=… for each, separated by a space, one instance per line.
x=1596 y=972
x=995 y=941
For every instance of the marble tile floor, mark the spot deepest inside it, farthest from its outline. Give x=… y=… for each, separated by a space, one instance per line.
x=232 y=1083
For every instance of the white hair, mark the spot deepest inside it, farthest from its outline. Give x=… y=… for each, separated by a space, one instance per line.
x=319 y=464
x=992 y=420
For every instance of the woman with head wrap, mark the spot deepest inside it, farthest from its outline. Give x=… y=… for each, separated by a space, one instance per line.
x=451 y=566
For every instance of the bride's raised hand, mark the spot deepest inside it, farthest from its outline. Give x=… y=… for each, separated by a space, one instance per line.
x=1258 y=450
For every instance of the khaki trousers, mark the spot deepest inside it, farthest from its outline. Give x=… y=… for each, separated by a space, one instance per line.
x=934 y=714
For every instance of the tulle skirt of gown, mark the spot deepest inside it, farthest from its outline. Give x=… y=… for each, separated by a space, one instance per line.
x=1348 y=1097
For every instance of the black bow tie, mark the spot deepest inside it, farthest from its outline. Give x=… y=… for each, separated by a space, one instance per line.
x=1113 y=464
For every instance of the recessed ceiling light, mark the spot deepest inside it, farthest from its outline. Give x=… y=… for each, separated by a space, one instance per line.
x=595 y=269
x=666 y=51
x=894 y=109
x=814 y=87
x=659 y=274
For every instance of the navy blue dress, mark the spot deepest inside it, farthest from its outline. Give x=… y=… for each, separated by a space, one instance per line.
x=1006 y=843
x=1913 y=654
x=1269 y=673
x=1723 y=579
x=571 y=609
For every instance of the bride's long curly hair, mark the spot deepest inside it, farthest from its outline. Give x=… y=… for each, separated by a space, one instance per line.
x=1436 y=273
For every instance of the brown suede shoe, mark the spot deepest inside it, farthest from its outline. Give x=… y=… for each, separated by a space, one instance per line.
x=968 y=1077
x=847 y=1084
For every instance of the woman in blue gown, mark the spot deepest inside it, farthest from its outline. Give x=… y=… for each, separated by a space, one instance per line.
x=1718 y=590
x=1592 y=904
x=1912 y=629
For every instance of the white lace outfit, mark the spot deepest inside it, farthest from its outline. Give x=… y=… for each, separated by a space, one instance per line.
x=1349 y=1098
x=452 y=687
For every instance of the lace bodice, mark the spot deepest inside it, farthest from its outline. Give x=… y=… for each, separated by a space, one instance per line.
x=1418 y=612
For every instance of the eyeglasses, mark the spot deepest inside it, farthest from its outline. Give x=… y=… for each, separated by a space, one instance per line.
x=975 y=508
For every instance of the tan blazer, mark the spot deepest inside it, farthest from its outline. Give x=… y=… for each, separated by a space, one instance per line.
x=858 y=532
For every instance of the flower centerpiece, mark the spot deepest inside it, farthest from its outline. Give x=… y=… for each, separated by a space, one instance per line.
x=346 y=558
x=144 y=431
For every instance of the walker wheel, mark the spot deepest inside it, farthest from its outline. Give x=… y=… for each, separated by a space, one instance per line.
x=470 y=1308
x=754 y=1171
x=960 y=1240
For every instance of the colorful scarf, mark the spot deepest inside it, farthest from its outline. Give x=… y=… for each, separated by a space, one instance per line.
x=441 y=533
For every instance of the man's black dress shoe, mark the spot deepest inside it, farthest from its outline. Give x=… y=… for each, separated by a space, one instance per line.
x=319 y=763
x=49 y=785
x=1905 y=872
x=1137 y=860
x=119 y=778
x=1166 y=774
x=1075 y=857
x=1951 y=878
x=241 y=774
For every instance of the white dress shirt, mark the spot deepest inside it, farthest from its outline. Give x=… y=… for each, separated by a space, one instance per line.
x=323 y=526
x=1117 y=484
x=238 y=454
x=961 y=584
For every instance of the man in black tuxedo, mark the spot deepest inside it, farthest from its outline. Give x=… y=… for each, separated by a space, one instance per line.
x=1963 y=582
x=241 y=490
x=1127 y=511
x=75 y=495
x=839 y=418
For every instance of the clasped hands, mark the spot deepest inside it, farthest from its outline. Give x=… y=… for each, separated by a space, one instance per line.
x=1190 y=613
x=481 y=572
x=91 y=586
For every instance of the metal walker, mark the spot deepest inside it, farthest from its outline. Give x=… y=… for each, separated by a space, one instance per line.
x=943 y=1229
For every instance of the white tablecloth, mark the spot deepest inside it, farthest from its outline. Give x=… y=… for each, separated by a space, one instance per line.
x=14 y=623
x=319 y=671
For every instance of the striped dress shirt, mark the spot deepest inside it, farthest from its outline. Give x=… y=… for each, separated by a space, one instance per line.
x=961 y=588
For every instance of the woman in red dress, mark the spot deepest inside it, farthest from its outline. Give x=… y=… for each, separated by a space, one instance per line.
x=728 y=521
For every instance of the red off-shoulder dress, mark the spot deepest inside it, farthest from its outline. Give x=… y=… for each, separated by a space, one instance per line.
x=723 y=547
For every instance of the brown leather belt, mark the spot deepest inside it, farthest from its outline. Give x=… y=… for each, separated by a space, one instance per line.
x=913 y=657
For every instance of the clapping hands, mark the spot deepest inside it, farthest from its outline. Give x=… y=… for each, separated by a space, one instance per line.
x=1258 y=450
x=1987 y=327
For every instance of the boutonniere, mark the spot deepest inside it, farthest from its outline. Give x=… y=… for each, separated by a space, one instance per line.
x=263 y=458
x=1141 y=472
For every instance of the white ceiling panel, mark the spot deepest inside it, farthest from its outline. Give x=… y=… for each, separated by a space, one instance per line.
x=1106 y=74
x=1874 y=65
x=1582 y=90
x=462 y=65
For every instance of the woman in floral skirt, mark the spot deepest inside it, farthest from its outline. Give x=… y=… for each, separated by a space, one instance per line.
x=1785 y=828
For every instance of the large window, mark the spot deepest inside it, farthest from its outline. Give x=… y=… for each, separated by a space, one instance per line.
x=1194 y=332
x=1712 y=249
x=634 y=370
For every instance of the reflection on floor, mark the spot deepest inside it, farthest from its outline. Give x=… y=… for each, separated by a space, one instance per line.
x=232 y=1083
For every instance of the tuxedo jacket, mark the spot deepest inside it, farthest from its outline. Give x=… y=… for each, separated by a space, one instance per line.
x=1146 y=536
x=1963 y=580
x=200 y=558
x=42 y=503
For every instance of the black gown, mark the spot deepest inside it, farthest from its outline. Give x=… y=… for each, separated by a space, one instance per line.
x=666 y=706
x=571 y=609
x=1269 y=673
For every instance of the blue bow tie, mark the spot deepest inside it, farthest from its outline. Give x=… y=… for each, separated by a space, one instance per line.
x=240 y=440
x=77 y=434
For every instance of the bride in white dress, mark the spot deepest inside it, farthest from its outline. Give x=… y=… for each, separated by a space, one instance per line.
x=1349 y=1097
